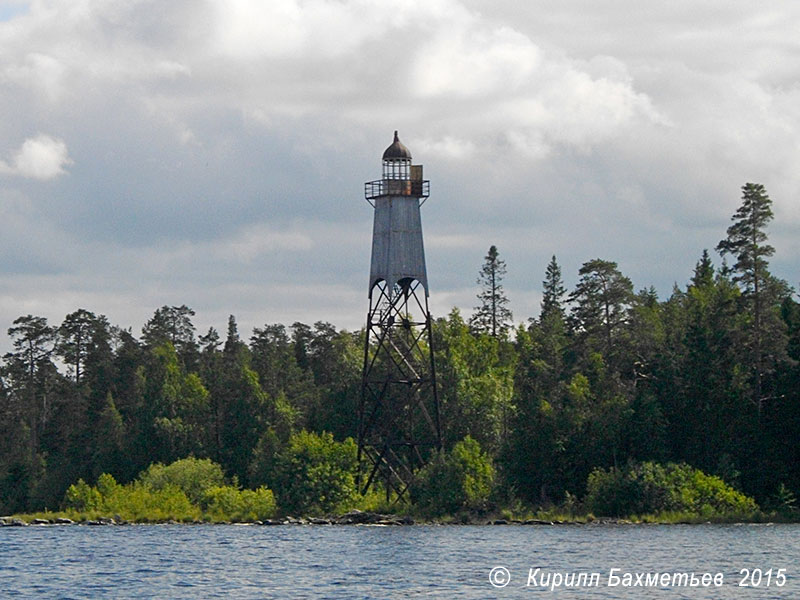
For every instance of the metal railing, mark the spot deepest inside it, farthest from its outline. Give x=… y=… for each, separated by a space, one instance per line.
x=396 y=187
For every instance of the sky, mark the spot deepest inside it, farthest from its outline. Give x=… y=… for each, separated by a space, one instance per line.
x=213 y=153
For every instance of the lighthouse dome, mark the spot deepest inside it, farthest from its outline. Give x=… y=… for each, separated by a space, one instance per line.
x=397 y=151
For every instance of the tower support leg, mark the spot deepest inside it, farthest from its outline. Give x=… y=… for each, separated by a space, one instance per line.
x=398 y=416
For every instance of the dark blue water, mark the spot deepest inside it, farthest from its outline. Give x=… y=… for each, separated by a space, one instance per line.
x=218 y=561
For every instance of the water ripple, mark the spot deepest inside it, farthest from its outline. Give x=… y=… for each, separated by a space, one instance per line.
x=172 y=561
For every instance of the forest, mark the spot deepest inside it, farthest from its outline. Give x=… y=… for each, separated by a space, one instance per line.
x=606 y=387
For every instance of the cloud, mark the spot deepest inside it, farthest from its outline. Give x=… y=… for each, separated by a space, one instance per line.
x=350 y=64
x=42 y=157
x=319 y=30
x=475 y=61
x=41 y=72
x=220 y=147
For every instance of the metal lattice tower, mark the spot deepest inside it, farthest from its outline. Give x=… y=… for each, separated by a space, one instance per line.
x=398 y=417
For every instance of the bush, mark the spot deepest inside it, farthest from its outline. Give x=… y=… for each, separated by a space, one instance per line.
x=191 y=475
x=650 y=488
x=315 y=473
x=460 y=479
x=228 y=503
x=82 y=497
x=136 y=502
x=166 y=492
x=132 y=502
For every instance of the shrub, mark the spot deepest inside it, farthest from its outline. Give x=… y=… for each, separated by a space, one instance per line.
x=107 y=486
x=315 y=473
x=191 y=475
x=82 y=497
x=136 y=502
x=460 y=479
x=133 y=502
x=653 y=488
x=230 y=504
x=179 y=491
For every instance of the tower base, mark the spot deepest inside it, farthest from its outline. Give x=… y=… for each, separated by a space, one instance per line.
x=398 y=420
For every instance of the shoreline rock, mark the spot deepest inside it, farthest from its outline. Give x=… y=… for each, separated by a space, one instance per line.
x=357 y=517
x=353 y=517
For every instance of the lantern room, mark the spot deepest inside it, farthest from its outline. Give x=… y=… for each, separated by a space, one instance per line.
x=400 y=177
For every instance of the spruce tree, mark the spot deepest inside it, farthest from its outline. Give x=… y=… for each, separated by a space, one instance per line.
x=492 y=315
x=553 y=291
x=703 y=271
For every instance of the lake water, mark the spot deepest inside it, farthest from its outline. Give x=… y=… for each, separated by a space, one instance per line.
x=229 y=561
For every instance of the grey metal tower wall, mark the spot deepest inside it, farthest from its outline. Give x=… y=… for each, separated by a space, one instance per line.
x=397 y=249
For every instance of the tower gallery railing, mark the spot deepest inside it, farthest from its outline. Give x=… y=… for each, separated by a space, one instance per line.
x=396 y=187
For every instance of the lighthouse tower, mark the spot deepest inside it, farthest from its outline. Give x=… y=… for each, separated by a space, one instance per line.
x=398 y=417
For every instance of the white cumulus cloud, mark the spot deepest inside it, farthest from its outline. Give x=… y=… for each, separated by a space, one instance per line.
x=42 y=157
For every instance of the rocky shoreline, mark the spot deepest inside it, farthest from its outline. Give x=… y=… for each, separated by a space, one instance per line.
x=353 y=517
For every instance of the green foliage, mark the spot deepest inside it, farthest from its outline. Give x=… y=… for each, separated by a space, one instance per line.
x=222 y=503
x=179 y=402
x=186 y=490
x=785 y=498
x=173 y=325
x=192 y=476
x=708 y=377
x=315 y=473
x=74 y=342
x=652 y=488
x=602 y=300
x=747 y=241
x=82 y=497
x=460 y=479
x=553 y=292
x=133 y=502
x=136 y=502
x=262 y=466
x=747 y=237
x=476 y=381
x=492 y=315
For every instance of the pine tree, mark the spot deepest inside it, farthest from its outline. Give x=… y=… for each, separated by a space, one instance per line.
x=74 y=340
x=747 y=242
x=33 y=371
x=492 y=315
x=173 y=324
x=747 y=239
x=602 y=300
